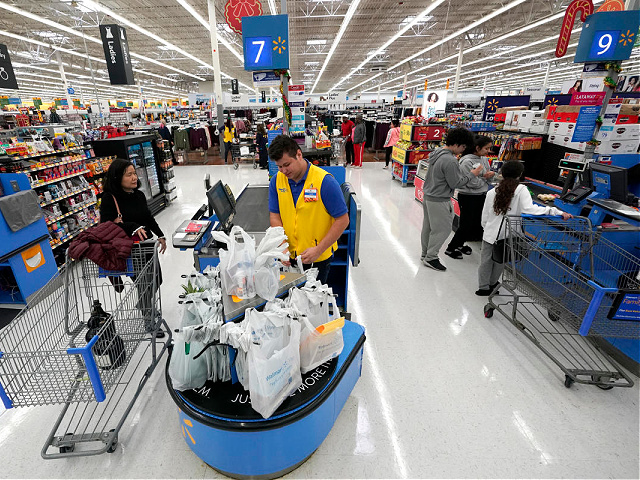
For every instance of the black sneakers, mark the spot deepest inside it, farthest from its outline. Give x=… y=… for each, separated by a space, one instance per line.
x=453 y=254
x=435 y=264
x=466 y=249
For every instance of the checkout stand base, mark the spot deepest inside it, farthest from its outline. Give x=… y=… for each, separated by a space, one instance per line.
x=245 y=445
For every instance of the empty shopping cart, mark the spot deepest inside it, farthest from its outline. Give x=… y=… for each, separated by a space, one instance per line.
x=87 y=340
x=567 y=287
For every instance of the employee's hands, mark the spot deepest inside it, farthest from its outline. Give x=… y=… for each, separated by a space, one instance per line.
x=566 y=216
x=310 y=255
x=478 y=170
x=163 y=245
x=489 y=175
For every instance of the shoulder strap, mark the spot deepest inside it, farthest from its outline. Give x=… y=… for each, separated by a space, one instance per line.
x=117 y=206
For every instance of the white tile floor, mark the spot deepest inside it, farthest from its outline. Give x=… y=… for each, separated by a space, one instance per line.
x=444 y=392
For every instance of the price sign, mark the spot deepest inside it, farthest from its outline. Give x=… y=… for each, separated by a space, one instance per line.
x=608 y=36
x=266 y=42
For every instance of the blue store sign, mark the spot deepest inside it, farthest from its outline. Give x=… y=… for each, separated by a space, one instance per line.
x=265 y=42
x=608 y=36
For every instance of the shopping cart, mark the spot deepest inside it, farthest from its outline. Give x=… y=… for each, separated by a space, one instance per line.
x=241 y=152
x=566 y=284
x=48 y=354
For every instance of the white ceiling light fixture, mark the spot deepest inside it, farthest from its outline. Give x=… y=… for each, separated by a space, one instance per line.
x=424 y=16
x=316 y=42
x=334 y=45
x=272 y=7
x=206 y=25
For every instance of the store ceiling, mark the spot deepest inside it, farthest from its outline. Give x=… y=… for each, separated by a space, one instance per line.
x=171 y=47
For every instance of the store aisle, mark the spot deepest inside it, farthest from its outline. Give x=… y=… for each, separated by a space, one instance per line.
x=444 y=392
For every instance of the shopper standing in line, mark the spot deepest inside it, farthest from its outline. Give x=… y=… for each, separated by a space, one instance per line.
x=392 y=138
x=123 y=203
x=471 y=197
x=308 y=202
x=261 y=141
x=347 y=130
x=229 y=135
x=512 y=199
x=443 y=177
x=359 y=137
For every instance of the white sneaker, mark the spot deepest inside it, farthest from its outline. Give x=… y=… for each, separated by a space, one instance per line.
x=385 y=168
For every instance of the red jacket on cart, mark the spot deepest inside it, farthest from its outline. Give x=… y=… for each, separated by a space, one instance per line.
x=106 y=244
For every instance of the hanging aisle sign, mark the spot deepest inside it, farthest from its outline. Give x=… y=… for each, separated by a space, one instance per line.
x=608 y=36
x=265 y=41
x=265 y=79
x=7 y=76
x=116 y=53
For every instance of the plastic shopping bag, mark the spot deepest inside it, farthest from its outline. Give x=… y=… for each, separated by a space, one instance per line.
x=317 y=348
x=237 y=263
x=274 y=361
x=269 y=254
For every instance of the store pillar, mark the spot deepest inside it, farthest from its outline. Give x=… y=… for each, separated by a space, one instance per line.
x=546 y=78
x=217 y=78
x=456 y=85
x=64 y=79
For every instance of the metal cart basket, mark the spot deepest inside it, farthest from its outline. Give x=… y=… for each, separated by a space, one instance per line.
x=48 y=354
x=241 y=152
x=568 y=286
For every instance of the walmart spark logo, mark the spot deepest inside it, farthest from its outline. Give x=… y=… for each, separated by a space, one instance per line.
x=552 y=101
x=626 y=38
x=493 y=105
x=279 y=45
x=185 y=431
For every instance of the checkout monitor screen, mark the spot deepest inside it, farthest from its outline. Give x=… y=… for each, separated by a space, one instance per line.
x=220 y=203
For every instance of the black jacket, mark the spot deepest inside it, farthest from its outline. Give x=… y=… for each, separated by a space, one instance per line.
x=134 y=209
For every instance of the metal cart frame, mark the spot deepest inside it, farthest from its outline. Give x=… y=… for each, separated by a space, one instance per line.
x=563 y=281
x=45 y=357
x=236 y=154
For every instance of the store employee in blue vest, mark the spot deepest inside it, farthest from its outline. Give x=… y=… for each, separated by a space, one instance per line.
x=308 y=202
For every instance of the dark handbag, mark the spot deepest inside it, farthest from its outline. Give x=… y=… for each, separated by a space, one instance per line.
x=499 y=246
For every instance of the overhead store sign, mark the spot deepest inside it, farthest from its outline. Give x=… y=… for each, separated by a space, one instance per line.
x=494 y=103
x=7 y=76
x=240 y=100
x=116 y=53
x=265 y=41
x=536 y=93
x=608 y=36
x=266 y=79
x=334 y=97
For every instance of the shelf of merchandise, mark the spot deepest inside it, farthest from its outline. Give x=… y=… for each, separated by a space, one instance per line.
x=55 y=200
x=36 y=168
x=76 y=209
x=404 y=172
x=55 y=180
x=45 y=154
x=421 y=175
x=406 y=155
x=56 y=243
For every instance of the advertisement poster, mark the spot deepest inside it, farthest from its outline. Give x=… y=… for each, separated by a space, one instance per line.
x=296 y=102
x=494 y=103
x=628 y=84
x=434 y=101
x=628 y=308
x=572 y=86
x=587 y=98
x=586 y=124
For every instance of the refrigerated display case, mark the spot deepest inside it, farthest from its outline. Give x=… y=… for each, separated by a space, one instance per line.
x=141 y=151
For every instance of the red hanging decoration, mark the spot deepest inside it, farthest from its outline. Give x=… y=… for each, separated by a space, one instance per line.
x=234 y=10
x=585 y=7
x=612 y=6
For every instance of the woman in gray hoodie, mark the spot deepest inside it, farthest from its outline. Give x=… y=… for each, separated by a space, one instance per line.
x=471 y=197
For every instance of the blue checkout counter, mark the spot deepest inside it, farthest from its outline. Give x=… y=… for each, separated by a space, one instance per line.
x=618 y=223
x=26 y=258
x=217 y=421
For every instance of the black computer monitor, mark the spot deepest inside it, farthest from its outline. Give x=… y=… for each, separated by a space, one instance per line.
x=610 y=181
x=221 y=204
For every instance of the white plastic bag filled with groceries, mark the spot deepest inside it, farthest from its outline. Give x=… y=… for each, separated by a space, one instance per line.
x=269 y=255
x=274 y=360
x=237 y=263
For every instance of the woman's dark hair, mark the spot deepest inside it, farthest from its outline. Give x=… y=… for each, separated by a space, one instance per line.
x=228 y=123
x=261 y=130
x=113 y=179
x=511 y=172
x=433 y=94
x=283 y=144
x=479 y=142
x=395 y=122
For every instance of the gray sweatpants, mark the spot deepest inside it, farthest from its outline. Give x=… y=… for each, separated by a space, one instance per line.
x=489 y=271
x=436 y=227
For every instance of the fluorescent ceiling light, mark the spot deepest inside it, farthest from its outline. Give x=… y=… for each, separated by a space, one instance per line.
x=316 y=42
x=334 y=45
x=272 y=7
x=424 y=15
x=164 y=47
x=312 y=63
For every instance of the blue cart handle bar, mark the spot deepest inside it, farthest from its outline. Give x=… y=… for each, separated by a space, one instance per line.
x=92 y=368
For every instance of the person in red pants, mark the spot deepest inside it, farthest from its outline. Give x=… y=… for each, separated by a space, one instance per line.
x=359 y=137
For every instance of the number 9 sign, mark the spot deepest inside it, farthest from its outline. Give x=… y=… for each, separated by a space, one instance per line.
x=604 y=44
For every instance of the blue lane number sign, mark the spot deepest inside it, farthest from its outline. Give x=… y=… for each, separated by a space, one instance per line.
x=259 y=52
x=265 y=42
x=604 y=44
